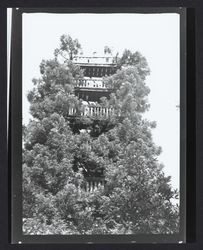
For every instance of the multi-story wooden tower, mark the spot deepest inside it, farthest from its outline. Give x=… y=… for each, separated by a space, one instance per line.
x=90 y=89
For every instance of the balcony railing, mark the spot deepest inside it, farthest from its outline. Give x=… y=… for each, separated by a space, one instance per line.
x=90 y=83
x=92 y=111
x=93 y=183
x=95 y=60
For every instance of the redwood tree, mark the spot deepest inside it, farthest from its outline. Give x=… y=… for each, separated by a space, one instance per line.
x=58 y=152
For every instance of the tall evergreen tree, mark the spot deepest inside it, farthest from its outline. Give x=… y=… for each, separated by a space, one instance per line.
x=59 y=152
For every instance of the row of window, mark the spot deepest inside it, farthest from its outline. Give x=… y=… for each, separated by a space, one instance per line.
x=98 y=71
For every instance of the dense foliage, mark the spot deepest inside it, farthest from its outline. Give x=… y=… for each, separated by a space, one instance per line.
x=58 y=153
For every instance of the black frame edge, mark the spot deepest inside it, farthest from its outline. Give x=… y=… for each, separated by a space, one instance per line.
x=16 y=130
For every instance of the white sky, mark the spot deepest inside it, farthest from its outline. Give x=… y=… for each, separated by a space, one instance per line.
x=156 y=36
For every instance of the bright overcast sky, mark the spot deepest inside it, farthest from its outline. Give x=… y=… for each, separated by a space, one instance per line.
x=156 y=36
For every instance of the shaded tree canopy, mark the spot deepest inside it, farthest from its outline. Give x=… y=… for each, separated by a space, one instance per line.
x=59 y=153
x=68 y=47
x=137 y=60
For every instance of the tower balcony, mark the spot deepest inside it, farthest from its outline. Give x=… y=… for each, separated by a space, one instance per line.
x=92 y=89
x=92 y=111
x=90 y=83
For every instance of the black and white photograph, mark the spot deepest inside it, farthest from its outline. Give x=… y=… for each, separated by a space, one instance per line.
x=101 y=124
